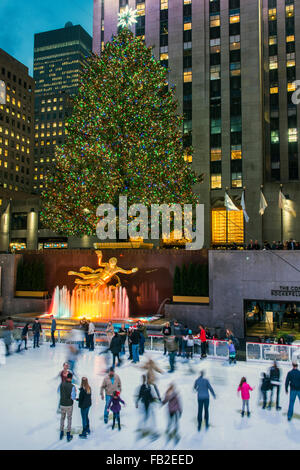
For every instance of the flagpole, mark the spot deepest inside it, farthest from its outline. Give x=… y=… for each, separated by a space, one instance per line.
x=262 y=218
x=244 y=222
x=226 y=224
x=281 y=220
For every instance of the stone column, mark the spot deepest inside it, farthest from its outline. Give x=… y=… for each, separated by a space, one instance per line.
x=32 y=230
x=4 y=230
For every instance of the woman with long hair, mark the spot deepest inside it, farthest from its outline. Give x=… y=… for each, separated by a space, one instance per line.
x=84 y=403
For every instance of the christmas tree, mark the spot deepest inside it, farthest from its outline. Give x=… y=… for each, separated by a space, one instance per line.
x=124 y=138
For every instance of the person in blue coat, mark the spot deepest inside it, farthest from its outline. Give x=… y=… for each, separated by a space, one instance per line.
x=203 y=388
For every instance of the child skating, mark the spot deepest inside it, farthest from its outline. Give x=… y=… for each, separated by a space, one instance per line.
x=115 y=406
x=245 y=388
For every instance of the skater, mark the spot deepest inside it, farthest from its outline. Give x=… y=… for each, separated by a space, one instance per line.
x=10 y=324
x=203 y=387
x=67 y=397
x=244 y=388
x=25 y=335
x=85 y=327
x=53 y=329
x=147 y=423
x=188 y=340
x=135 y=341
x=17 y=336
x=63 y=377
x=264 y=388
x=123 y=335
x=115 y=348
x=143 y=336
x=151 y=368
x=232 y=352
x=203 y=341
x=175 y=412
x=177 y=332
x=172 y=348
x=73 y=350
x=184 y=333
x=115 y=406
x=166 y=332
x=111 y=383
x=7 y=338
x=91 y=333
x=109 y=332
x=275 y=383
x=2 y=353
x=130 y=331
x=82 y=330
x=84 y=403
x=36 y=329
x=293 y=381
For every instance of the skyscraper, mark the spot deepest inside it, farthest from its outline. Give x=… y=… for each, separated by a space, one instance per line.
x=16 y=124
x=59 y=57
x=234 y=66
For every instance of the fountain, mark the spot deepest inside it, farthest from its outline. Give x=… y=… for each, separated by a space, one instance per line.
x=92 y=297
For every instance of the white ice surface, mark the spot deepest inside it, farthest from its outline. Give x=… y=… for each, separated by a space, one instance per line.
x=29 y=400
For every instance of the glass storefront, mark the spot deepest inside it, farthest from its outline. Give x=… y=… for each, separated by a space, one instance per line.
x=272 y=319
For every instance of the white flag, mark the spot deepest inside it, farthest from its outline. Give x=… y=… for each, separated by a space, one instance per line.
x=284 y=204
x=262 y=204
x=229 y=204
x=244 y=207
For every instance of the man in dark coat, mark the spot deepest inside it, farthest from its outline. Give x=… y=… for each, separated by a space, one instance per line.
x=203 y=387
x=36 y=329
x=53 y=329
x=115 y=347
x=293 y=381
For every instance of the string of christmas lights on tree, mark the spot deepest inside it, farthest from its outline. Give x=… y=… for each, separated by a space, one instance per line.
x=124 y=138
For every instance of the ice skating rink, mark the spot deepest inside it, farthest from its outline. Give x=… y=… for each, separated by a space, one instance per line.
x=29 y=399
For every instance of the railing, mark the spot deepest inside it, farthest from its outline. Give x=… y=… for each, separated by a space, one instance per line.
x=266 y=352
x=215 y=348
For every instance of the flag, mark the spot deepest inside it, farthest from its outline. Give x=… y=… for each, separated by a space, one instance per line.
x=229 y=204
x=284 y=204
x=244 y=207
x=262 y=204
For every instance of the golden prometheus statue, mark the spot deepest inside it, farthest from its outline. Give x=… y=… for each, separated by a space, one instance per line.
x=101 y=276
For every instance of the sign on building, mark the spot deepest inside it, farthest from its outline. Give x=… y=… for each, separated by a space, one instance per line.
x=2 y=92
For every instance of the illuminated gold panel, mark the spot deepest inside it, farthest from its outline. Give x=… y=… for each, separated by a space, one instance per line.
x=235 y=226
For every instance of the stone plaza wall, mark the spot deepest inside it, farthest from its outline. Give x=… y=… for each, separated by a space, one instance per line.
x=236 y=276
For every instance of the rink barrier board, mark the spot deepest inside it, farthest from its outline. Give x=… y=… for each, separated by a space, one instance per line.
x=255 y=352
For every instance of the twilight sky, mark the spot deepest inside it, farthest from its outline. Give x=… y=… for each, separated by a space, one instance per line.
x=21 y=19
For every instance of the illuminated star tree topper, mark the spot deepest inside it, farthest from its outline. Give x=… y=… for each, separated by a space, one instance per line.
x=127 y=17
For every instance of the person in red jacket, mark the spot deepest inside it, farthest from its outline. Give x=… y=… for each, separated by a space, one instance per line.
x=203 y=341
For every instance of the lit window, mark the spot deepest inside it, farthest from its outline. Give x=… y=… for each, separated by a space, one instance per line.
x=215 y=21
x=164 y=56
x=215 y=154
x=163 y=4
x=236 y=154
x=290 y=38
x=187 y=76
x=275 y=137
x=216 y=181
x=272 y=14
x=187 y=26
x=293 y=135
x=234 y=19
x=274 y=90
x=273 y=63
x=289 y=10
x=291 y=86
